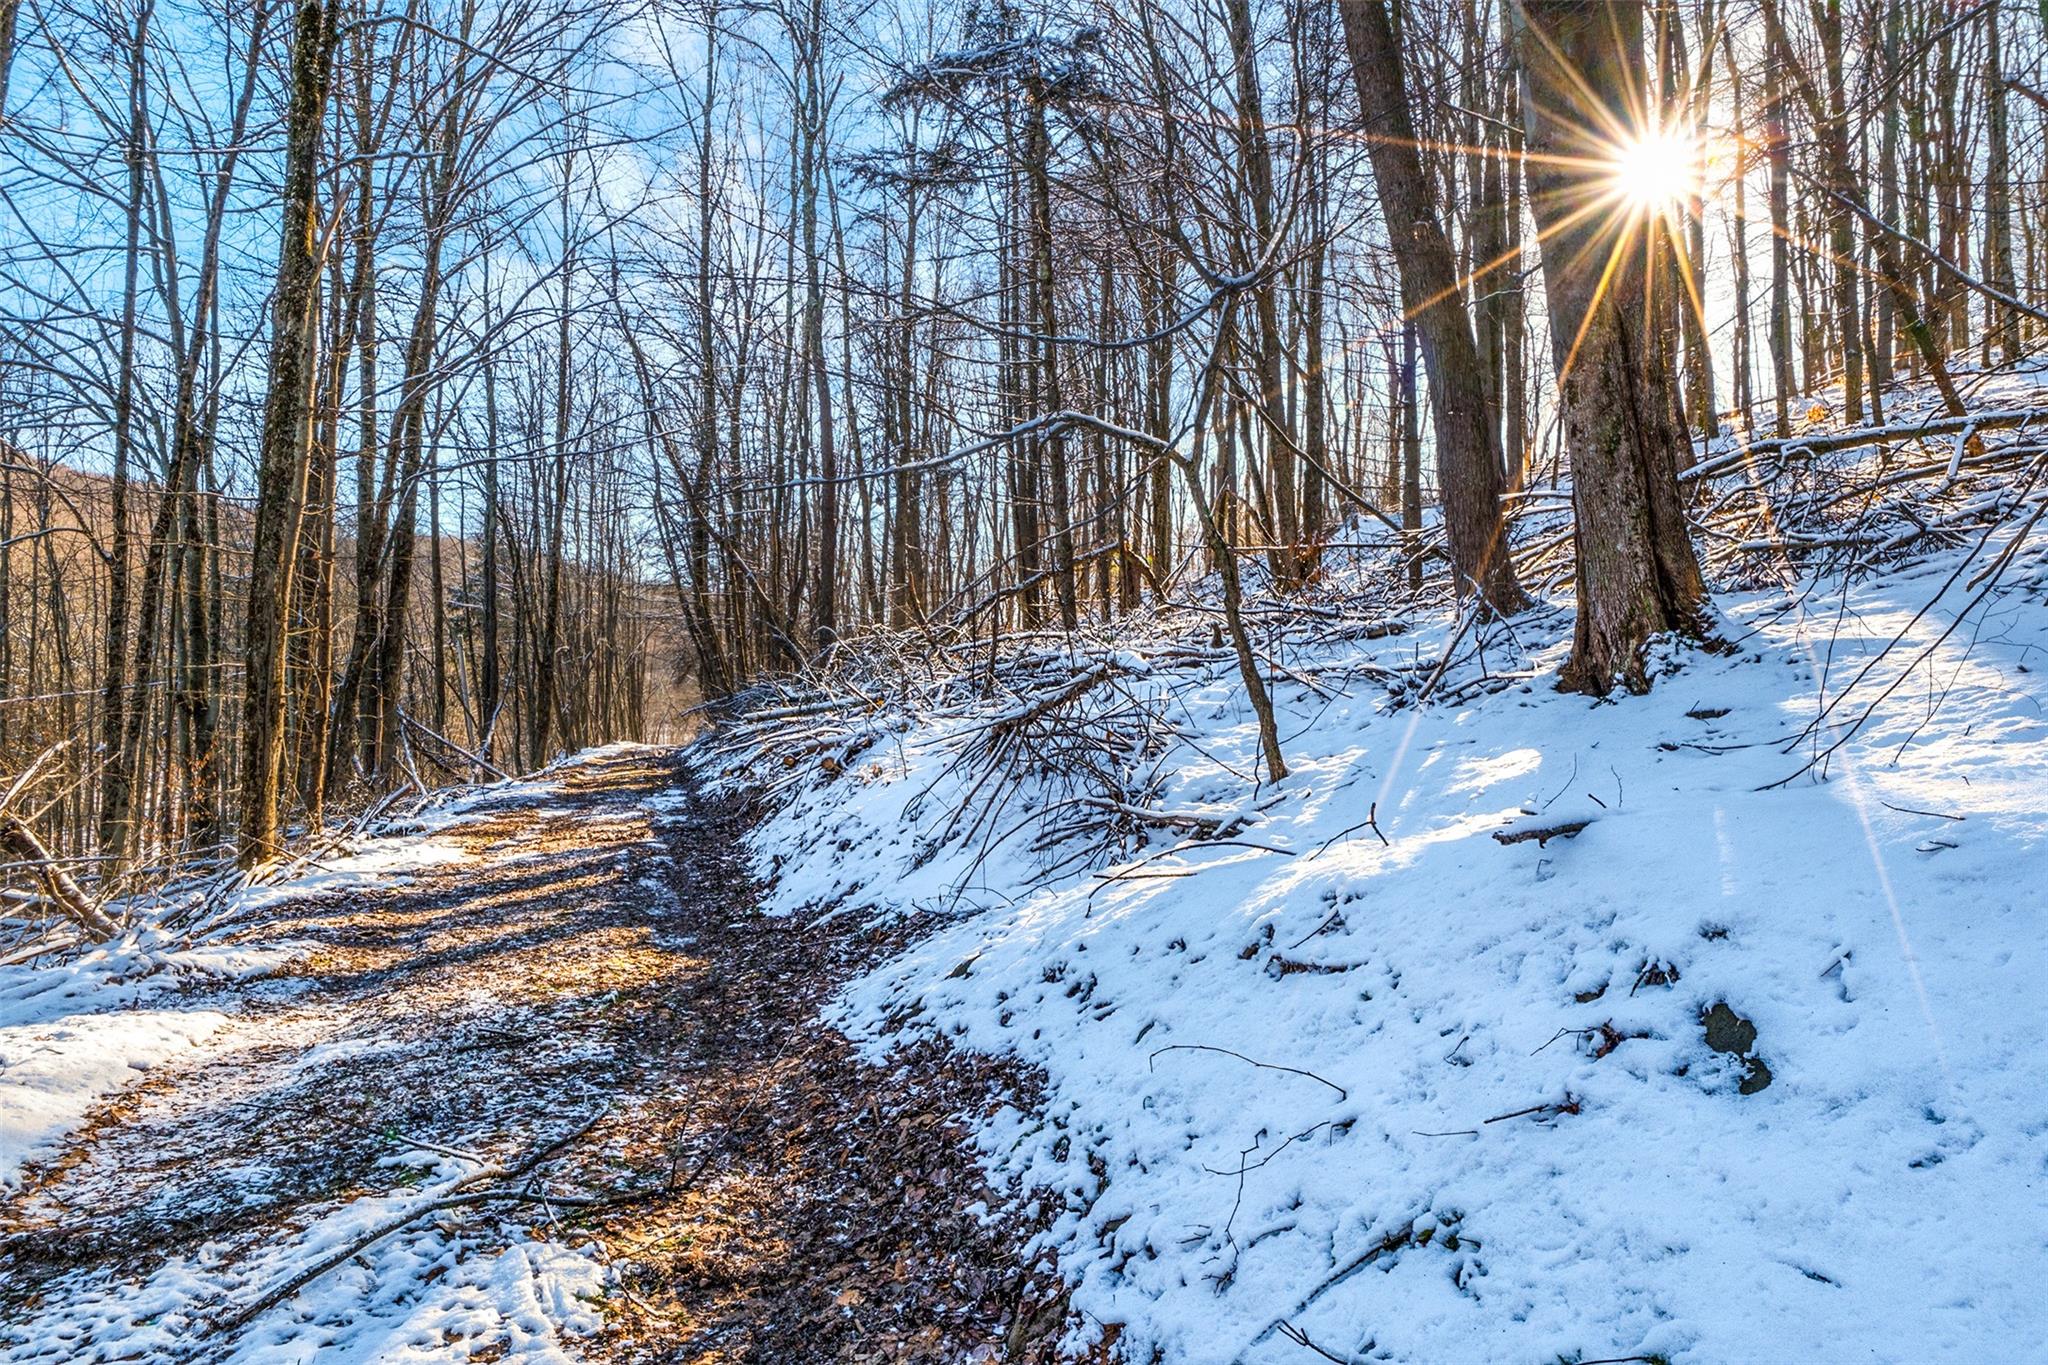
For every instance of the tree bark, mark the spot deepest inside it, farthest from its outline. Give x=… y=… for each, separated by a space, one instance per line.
x=1636 y=573
x=2001 y=330
x=116 y=773
x=1779 y=340
x=287 y=415
x=9 y=11
x=1467 y=450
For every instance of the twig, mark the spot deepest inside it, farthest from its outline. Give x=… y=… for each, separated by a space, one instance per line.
x=1568 y=1105
x=1908 y=810
x=1342 y=1093
x=1371 y=822
x=1301 y=1338
x=1335 y=916
x=1581 y=1032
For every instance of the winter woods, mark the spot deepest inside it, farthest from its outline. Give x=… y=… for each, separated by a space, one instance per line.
x=397 y=394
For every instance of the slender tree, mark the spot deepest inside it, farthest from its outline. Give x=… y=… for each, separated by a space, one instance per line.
x=1467 y=445
x=287 y=417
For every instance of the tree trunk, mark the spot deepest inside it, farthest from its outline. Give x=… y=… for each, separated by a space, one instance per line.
x=1841 y=219
x=1636 y=573
x=9 y=10
x=286 y=417
x=825 y=603
x=1411 y=459
x=1256 y=163
x=488 y=685
x=1467 y=453
x=117 y=777
x=1777 y=139
x=2001 y=330
x=1045 y=319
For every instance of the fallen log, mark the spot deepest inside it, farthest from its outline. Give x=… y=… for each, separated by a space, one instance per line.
x=63 y=891
x=1819 y=442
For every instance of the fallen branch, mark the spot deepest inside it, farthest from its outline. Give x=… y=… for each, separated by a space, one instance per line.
x=451 y=1199
x=1542 y=834
x=473 y=759
x=64 y=893
x=1046 y=702
x=1817 y=443
x=1213 y=826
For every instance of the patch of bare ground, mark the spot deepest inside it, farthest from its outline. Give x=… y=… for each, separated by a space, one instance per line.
x=759 y=1191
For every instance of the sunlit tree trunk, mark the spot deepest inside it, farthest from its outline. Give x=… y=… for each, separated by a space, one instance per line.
x=287 y=418
x=1636 y=573
x=2001 y=332
x=1467 y=451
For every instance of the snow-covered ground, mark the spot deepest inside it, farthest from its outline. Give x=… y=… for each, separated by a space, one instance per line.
x=74 y=1032
x=1440 y=1097
x=424 y=1294
x=77 y=1029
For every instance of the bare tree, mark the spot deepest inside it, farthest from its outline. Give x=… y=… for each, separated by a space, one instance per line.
x=287 y=431
x=1586 y=90
x=1468 y=451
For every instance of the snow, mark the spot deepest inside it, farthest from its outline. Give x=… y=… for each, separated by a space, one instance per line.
x=1472 y=1113
x=75 y=1031
x=423 y=1293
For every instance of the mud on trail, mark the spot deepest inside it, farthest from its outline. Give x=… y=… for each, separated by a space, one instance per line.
x=586 y=1089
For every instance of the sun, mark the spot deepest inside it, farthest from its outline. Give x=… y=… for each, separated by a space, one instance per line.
x=1657 y=172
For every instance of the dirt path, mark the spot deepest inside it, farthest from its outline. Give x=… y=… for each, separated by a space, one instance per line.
x=698 y=1168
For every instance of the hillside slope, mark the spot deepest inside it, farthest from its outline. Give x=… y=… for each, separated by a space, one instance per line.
x=1698 y=1026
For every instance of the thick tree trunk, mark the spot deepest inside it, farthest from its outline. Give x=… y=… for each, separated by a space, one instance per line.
x=488 y=685
x=1045 y=318
x=714 y=674
x=1315 y=404
x=825 y=599
x=117 y=774
x=1699 y=347
x=1411 y=459
x=1637 y=576
x=1842 y=221
x=1256 y=163
x=1467 y=451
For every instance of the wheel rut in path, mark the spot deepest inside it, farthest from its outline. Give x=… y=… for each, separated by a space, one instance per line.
x=694 y=1166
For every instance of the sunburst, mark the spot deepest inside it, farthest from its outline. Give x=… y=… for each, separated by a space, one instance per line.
x=1658 y=171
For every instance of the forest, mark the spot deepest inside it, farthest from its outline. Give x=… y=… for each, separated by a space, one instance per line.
x=1091 y=620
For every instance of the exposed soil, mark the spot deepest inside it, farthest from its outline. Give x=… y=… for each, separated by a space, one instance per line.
x=769 y=1194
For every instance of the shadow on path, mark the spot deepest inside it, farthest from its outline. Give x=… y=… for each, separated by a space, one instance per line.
x=766 y=1193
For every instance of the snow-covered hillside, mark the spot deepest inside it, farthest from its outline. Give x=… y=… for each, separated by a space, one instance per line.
x=1700 y=1026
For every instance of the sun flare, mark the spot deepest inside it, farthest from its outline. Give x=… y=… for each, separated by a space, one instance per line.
x=1657 y=171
